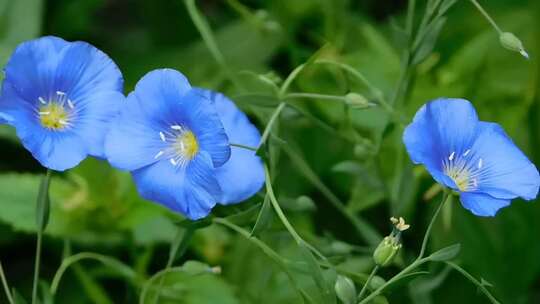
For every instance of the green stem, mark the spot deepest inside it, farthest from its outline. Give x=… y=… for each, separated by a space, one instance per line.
x=371 y=275
x=277 y=208
x=206 y=33
x=395 y=278
x=5 y=284
x=268 y=129
x=314 y=96
x=42 y=217
x=486 y=15
x=243 y=147
x=178 y=245
x=274 y=256
x=446 y=197
x=475 y=281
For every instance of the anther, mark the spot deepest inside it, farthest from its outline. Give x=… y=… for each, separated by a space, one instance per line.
x=62 y=122
x=60 y=93
x=162 y=136
x=467 y=152
x=173 y=162
x=70 y=104
x=158 y=154
x=176 y=127
x=44 y=113
x=451 y=157
x=42 y=100
x=480 y=163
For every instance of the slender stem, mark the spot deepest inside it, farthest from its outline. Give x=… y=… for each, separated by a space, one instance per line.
x=371 y=275
x=446 y=197
x=486 y=15
x=277 y=208
x=475 y=281
x=266 y=132
x=243 y=146
x=398 y=276
x=42 y=216
x=5 y=284
x=265 y=248
x=180 y=243
x=314 y=96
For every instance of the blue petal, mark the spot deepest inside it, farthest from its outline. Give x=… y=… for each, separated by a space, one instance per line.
x=482 y=204
x=167 y=99
x=4 y=118
x=84 y=70
x=133 y=140
x=31 y=69
x=505 y=172
x=243 y=175
x=96 y=118
x=439 y=128
x=192 y=191
x=54 y=150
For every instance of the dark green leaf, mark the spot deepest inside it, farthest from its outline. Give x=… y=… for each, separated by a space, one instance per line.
x=446 y=253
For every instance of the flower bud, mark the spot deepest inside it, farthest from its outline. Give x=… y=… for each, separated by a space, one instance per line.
x=511 y=42
x=386 y=251
x=345 y=290
x=356 y=100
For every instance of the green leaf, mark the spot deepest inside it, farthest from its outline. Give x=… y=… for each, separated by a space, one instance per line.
x=266 y=215
x=428 y=43
x=327 y=291
x=43 y=202
x=18 y=298
x=446 y=253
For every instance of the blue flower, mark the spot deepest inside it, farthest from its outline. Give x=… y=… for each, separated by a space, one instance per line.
x=60 y=96
x=175 y=141
x=473 y=157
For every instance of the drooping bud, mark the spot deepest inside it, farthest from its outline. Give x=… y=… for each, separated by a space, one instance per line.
x=511 y=42
x=345 y=290
x=357 y=101
x=386 y=251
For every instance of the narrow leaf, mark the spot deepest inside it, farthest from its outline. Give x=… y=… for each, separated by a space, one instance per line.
x=446 y=253
x=264 y=219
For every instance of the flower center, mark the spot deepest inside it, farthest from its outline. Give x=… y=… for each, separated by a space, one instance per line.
x=462 y=170
x=53 y=114
x=182 y=148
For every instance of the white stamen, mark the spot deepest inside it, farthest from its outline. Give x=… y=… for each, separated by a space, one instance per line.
x=62 y=122
x=480 y=163
x=60 y=93
x=173 y=162
x=158 y=154
x=42 y=100
x=182 y=147
x=176 y=127
x=467 y=152
x=44 y=113
x=162 y=136
x=70 y=104
x=451 y=157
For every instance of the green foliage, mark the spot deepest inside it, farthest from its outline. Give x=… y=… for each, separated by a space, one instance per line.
x=335 y=69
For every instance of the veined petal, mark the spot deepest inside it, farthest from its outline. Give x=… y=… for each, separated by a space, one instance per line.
x=440 y=129
x=4 y=118
x=243 y=174
x=84 y=70
x=31 y=69
x=160 y=91
x=202 y=118
x=190 y=191
x=503 y=171
x=482 y=204
x=133 y=140
x=96 y=119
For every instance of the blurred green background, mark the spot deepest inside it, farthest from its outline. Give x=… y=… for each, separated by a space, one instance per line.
x=332 y=152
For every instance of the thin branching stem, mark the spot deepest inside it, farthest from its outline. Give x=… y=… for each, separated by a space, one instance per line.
x=371 y=275
x=5 y=285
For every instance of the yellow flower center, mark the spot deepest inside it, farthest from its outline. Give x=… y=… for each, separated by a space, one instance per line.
x=186 y=145
x=463 y=170
x=53 y=116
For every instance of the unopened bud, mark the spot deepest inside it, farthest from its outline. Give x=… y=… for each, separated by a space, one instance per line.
x=386 y=251
x=356 y=100
x=511 y=42
x=345 y=290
